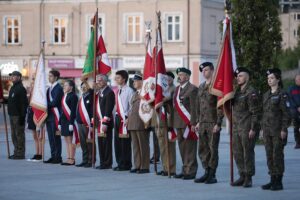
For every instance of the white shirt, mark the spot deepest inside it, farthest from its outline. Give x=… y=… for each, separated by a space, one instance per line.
x=183 y=86
x=125 y=96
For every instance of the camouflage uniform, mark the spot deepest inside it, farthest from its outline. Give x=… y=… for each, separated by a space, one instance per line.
x=275 y=119
x=208 y=116
x=245 y=115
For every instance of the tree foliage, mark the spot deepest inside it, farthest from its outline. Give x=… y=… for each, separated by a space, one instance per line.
x=257 y=36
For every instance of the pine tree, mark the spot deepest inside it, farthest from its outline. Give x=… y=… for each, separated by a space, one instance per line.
x=257 y=37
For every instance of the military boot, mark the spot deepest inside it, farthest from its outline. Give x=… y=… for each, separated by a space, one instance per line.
x=268 y=185
x=247 y=182
x=211 y=177
x=277 y=184
x=240 y=181
x=203 y=178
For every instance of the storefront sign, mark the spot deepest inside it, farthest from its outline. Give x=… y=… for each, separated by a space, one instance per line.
x=61 y=63
x=8 y=66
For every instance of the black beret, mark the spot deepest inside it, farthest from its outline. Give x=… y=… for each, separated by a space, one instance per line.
x=137 y=77
x=241 y=69
x=15 y=73
x=206 y=64
x=170 y=74
x=273 y=71
x=183 y=69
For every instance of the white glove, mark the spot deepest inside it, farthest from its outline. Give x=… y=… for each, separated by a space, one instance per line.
x=59 y=127
x=70 y=127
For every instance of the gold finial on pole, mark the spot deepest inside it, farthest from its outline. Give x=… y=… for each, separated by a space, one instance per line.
x=227 y=4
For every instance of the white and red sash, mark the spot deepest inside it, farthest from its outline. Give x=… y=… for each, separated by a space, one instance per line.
x=185 y=116
x=67 y=113
x=55 y=111
x=75 y=139
x=172 y=134
x=122 y=128
x=100 y=132
x=84 y=116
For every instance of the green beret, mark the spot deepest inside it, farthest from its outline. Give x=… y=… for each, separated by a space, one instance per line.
x=241 y=69
x=183 y=69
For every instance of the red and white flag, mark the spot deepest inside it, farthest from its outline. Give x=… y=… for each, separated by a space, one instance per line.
x=222 y=83
x=39 y=94
x=148 y=89
x=104 y=66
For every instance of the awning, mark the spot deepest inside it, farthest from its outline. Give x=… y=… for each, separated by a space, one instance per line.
x=70 y=73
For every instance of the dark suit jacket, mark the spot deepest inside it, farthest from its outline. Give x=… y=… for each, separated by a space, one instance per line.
x=57 y=94
x=188 y=97
x=88 y=103
x=107 y=104
x=71 y=101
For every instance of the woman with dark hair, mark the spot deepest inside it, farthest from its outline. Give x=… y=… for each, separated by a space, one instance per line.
x=275 y=122
x=67 y=119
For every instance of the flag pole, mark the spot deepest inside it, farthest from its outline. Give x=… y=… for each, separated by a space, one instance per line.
x=5 y=120
x=227 y=4
x=94 y=94
x=43 y=126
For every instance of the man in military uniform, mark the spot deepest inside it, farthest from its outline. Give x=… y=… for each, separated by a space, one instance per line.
x=139 y=134
x=17 y=107
x=163 y=129
x=246 y=109
x=185 y=122
x=209 y=120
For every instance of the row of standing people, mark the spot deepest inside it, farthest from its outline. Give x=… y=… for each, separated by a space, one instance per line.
x=191 y=112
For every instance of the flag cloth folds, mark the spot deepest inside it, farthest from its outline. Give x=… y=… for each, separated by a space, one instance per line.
x=104 y=66
x=222 y=83
x=148 y=88
x=38 y=100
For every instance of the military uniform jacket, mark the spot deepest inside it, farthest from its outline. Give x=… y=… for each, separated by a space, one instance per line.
x=17 y=101
x=107 y=104
x=207 y=111
x=134 y=121
x=187 y=98
x=246 y=109
x=275 y=113
x=168 y=106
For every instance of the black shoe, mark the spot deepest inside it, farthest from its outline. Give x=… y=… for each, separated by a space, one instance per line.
x=81 y=164
x=34 y=157
x=11 y=157
x=56 y=161
x=134 y=170
x=277 y=184
x=248 y=182
x=38 y=157
x=49 y=160
x=239 y=182
x=188 y=177
x=121 y=169
x=179 y=175
x=152 y=160
x=15 y=157
x=297 y=146
x=161 y=173
x=166 y=174
x=268 y=185
x=203 y=178
x=143 y=171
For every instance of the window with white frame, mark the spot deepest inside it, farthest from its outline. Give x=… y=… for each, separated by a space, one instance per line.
x=12 y=26
x=101 y=24
x=134 y=25
x=59 y=29
x=173 y=27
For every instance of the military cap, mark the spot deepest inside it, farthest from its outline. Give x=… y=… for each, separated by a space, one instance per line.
x=137 y=77
x=241 y=69
x=183 y=69
x=273 y=71
x=170 y=74
x=15 y=73
x=206 y=64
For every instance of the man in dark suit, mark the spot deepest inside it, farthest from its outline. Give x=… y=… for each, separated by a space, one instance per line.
x=184 y=121
x=54 y=96
x=105 y=103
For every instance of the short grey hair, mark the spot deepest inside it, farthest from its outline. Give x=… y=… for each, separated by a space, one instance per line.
x=104 y=77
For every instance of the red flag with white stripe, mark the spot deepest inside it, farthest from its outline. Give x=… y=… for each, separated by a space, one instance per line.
x=104 y=66
x=38 y=100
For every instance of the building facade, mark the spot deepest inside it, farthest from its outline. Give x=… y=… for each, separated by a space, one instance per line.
x=190 y=33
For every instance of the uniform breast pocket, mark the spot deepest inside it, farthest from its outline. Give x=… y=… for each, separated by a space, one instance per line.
x=241 y=102
x=275 y=100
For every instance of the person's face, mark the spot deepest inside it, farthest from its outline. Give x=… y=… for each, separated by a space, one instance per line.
x=207 y=72
x=137 y=84
x=297 y=80
x=242 y=78
x=84 y=88
x=170 y=80
x=67 y=87
x=272 y=80
x=182 y=77
x=51 y=78
x=15 y=79
x=101 y=83
x=119 y=79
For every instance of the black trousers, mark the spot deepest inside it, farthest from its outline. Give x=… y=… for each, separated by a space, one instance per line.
x=105 y=148
x=122 y=148
x=54 y=140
